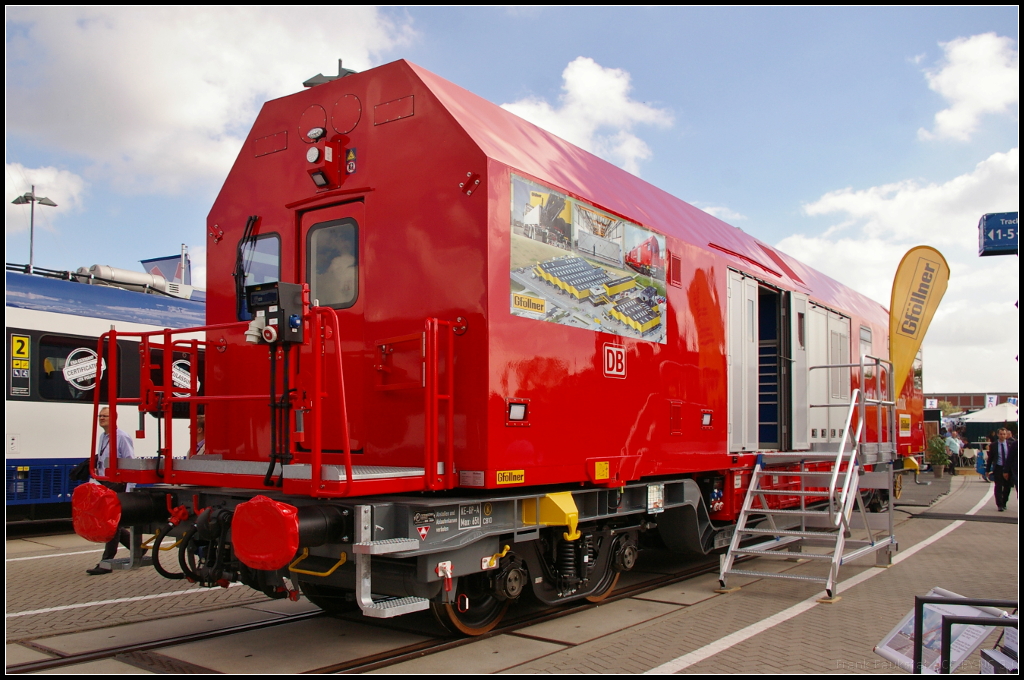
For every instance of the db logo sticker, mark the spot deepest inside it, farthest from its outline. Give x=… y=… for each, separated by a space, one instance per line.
x=614 y=361
x=423 y=531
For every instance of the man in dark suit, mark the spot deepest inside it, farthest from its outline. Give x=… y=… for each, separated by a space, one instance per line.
x=1002 y=466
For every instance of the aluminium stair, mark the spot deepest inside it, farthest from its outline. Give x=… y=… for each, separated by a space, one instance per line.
x=766 y=532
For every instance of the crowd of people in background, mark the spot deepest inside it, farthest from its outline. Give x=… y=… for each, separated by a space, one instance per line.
x=996 y=459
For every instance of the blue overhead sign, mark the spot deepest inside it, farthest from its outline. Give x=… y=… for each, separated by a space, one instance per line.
x=997 y=234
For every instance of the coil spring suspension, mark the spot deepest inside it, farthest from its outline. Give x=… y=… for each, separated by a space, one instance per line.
x=567 y=565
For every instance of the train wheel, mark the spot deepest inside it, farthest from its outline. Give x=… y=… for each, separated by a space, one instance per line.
x=605 y=591
x=476 y=610
x=332 y=600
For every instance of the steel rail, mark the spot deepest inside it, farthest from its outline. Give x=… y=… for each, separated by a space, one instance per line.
x=108 y=652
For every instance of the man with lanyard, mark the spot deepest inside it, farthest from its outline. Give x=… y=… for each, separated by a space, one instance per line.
x=125 y=449
x=1002 y=467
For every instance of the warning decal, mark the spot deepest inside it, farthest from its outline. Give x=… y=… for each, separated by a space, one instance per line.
x=423 y=531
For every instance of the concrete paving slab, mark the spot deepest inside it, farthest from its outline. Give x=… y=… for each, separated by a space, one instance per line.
x=17 y=547
x=485 y=656
x=147 y=631
x=62 y=542
x=15 y=654
x=593 y=623
x=101 y=667
x=292 y=647
x=687 y=592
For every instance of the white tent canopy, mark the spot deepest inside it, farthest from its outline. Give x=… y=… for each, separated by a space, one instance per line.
x=1003 y=413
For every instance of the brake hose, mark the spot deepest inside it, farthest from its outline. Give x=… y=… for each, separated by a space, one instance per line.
x=156 y=555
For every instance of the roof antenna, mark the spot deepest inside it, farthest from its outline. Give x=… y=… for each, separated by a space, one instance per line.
x=320 y=79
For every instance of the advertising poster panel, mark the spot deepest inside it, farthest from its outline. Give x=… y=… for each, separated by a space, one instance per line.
x=576 y=265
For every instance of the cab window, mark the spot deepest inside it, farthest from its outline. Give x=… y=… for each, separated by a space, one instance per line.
x=333 y=263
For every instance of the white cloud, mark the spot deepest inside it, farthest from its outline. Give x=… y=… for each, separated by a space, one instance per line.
x=973 y=339
x=197 y=258
x=722 y=213
x=64 y=188
x=161 y=98
x=979 y=75
x=596 y=113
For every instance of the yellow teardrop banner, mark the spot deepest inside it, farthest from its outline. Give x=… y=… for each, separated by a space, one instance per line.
x=919 y=285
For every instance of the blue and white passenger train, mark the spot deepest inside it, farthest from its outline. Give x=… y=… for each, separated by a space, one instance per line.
x=53 y=321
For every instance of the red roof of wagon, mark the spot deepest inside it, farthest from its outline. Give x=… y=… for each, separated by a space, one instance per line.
x=508 y=139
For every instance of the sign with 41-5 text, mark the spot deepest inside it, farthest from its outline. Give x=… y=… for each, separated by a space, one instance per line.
x=997 y=234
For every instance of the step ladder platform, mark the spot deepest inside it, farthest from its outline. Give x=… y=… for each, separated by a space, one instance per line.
x=768 y=574
x=787 y=554
x=385 y=546
x=385 y=609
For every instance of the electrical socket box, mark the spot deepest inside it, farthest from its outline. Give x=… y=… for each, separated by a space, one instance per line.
x=281 y=305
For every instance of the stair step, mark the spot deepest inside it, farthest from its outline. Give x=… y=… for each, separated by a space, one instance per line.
x=781 y=553
x=782 y=492
x=385 y=609
x=768 y=574
x=385 y=546
x=796 y=473
x=789 y=532
x=762 y=511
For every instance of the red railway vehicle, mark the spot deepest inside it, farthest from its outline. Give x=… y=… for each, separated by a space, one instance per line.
x=646 y=258
x=415 y=398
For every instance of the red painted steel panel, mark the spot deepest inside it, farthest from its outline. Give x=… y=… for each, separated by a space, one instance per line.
x=431 y=245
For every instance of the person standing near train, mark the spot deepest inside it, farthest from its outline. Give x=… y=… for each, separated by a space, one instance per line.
x=125 y=449
x=1002 y=467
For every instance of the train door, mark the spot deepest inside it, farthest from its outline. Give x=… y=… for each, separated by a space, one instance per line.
x=330 y=241
x=768 y=362
x=828 y=343
x=798 y=361
x=743 y=362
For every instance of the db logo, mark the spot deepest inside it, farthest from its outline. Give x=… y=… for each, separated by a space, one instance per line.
x=614 y=361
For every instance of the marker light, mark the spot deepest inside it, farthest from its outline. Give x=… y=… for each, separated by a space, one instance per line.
x=313 y=154
x=319 y=178
x=517 y=412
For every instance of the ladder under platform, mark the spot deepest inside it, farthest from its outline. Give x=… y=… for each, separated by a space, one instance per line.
x=833 y=482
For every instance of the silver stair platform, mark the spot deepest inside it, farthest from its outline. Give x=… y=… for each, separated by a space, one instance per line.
x=766 y=532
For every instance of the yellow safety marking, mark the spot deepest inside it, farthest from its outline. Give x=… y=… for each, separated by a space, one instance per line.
x=601 y=470
x=910 y=463
x=556 y=509
x=305 y=554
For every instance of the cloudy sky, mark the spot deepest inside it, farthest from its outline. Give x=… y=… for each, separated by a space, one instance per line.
x=843 y=136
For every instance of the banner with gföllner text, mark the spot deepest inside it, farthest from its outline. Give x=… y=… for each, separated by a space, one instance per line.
x=918 y=287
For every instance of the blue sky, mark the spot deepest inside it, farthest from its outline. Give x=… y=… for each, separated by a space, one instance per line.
x=843 y=136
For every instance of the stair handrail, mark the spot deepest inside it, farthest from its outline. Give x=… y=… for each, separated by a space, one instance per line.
x=851 y=467
x=854 y=399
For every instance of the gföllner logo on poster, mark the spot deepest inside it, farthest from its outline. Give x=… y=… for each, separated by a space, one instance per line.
x=917 y=300
x=530 y=304
x=614 y=361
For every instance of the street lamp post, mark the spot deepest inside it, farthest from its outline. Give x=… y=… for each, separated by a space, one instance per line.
x=32 y=199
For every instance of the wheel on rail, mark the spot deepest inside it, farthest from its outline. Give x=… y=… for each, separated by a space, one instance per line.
x=611 y=579
x=474 y=609
x=329 y=598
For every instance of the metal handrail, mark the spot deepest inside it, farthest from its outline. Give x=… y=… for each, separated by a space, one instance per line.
x=839 y=458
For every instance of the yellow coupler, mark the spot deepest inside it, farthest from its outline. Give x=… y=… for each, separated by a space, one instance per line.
x=556 y=510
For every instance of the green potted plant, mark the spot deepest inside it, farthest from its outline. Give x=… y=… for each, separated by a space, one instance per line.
x=937 y=455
